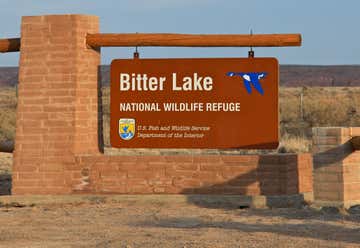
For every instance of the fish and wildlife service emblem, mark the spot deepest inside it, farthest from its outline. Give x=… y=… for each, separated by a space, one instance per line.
x=126 y=128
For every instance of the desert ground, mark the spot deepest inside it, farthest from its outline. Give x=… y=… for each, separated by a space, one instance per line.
x=166 y=221
x=98 y=221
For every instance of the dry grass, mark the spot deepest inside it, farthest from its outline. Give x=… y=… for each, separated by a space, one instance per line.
x=7 y=113
x=332 y=106
x=321 y=107
x=294 y=144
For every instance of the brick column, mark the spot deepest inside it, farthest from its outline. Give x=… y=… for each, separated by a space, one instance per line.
x=57 y=115
x=336 y=167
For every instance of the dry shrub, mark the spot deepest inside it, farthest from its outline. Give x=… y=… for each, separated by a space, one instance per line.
x=289 y=106
x=105 y=93
x=106 y=130
x=321 y=107
x=294 y=144
x=7 y=124
x=106 y=115
x=7 y=113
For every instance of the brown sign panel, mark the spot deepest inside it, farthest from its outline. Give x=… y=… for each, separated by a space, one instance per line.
x=194 y=103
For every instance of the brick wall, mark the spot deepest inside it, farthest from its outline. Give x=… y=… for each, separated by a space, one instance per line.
x=57 y=143
x=214 y=174
x=336 y=167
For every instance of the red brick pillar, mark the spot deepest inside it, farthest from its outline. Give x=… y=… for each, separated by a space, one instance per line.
x=57 y=115
x=336 y=167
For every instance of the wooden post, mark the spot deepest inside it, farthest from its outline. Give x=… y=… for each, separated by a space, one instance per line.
x=193 y=40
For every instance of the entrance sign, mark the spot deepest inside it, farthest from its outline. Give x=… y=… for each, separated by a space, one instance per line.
x=194 y=103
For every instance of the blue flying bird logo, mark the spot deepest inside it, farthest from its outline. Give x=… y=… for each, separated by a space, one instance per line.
x=250 y=79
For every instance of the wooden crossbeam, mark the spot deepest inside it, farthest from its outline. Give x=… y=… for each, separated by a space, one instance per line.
x=176 y=40
x=193 y=40
x=9 y=45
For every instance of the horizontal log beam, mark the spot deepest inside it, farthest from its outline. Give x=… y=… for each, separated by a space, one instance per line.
x=193 y=40
x=9 y=45
x=176 y=40
x=355 y=142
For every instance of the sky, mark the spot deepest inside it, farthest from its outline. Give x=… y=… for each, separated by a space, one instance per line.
x=329 y=28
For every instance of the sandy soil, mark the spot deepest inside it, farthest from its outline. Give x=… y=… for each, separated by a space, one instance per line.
x=101 y=223
x=163 y=221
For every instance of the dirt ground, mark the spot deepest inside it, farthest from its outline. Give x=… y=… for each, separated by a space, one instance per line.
x=135 y=222
x=164 y=221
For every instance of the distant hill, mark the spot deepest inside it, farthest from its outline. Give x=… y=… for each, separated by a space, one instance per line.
x=306 y=75
x=290 y=75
